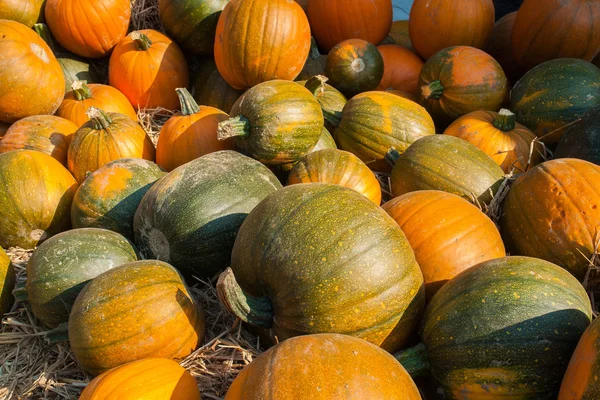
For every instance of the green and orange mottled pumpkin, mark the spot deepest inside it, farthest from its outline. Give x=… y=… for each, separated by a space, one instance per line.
x=331 y=100
x=7 y=283
x=210 y=89
x=27 y=12
x=582 y=138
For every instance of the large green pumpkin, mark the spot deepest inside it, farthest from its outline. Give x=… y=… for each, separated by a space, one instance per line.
x=321 y=258
x=7 y=283
x=61 y=266
x=190 y=217
x=582 y=138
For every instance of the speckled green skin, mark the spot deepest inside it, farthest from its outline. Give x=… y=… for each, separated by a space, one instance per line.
x=7 y=283
x=325 y=142
x=61 y=266
x=582 y=139
x=191 y=216
x=505 y=328
x=210 y=89
x=330 y=261
x=453 y=165
x=332 y=103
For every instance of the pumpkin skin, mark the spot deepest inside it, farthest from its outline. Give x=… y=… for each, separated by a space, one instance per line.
x=241 y=43
x=581 y=139
x=45 y=133
x=62 y=265
x=400 y=35
x=109 y=196
x=147 y=67
x=437 y=24
x=333 y=21
x=88 y=28
x=3 y=129
x=339 y=168
x=331 y=100
x=90 y=149
x=210 y=89
x=191 y=216
x=500 y=47
x=152 y=315
x=447 y=233
x=328 y=366
x=373 y=122
x=31 y=80
x=554 y=94
x=27 y=12
x=401 y=69
x=307 y=234
x=7 y=283
x=459 y=80
x=141 y=379
x=33 y=215
x=326 y=141
x=315 y=63
x=552 y=212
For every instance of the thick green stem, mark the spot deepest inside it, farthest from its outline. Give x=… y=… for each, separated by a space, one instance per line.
x=505 y=121
x=20 y=292
x=433 y=91
x=142 y=41
x=44 y=32
x=99 y=118
x=414 y=360
x=392 y=156
x=256 y=311
x=187 y=102
x=81 y=90
x=58 y=334
x=233 y=127
x=313 y=54
x=316 y=84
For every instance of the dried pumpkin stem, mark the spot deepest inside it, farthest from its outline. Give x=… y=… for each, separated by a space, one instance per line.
x=392 y=156
x=414 y=360
x=58 y=334
x=99 y=118
x=433 y=91
x=316 y=84
x=142 y=41
x=233 y=127
x=81 y=90
x=187 y=102
x=505 y=121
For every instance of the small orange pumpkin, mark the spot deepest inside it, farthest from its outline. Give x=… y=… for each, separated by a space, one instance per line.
x=401 y=69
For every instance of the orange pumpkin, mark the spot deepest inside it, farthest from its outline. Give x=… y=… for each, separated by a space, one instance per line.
x=106 y=137
x=83 y=96
x=150 y=379
x=499 y=136
x=27 y=12
x=261 y=40
x=399 y=34
x=500 y=46
x=88 y=28
x=31 y=80
x=147 y=67
x=45 y=133
x=190 y=134
x=401 y=69
x=447 y=233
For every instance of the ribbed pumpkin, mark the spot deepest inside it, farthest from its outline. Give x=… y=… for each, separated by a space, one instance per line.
x=149 y=378
x=499 y=136
x=82 y=96
x=446 y=163
x=147 y=67
x=401 y=69
x=36 y=192
x=317 y=258
x=109 y=197
x=437 y=24
x=210 y=89
x=88 y=28
x=106 y=137
x=333 y=21
x=45 y=133
x=372 y=122
x=315 y=63
x=554 y=94
x=500 y=46
x=248 y=31
x=190 y=134
x=61 y=266
x=505 y=328
x=459 y=80
x=191 y=23
x=400 y=35
x=7 y=283
x=31 y=80
x=447 y=233
x=337 y=167
x=27 y=12
x=582 y=138
x=191 y=216
x=331 y=100
x=275 y=122
x=324 y=367
x=553 y=212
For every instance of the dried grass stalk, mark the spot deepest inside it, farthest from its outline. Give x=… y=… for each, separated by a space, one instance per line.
x=152 y=121
x=144 y=15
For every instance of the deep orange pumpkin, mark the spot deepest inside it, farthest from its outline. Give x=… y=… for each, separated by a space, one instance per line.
x=147 y=67
x=401 y=69
x=500 y=46
x=31 y=80
x=88 y=28
x=27 y=12
x=400 y=36
x=262 y=40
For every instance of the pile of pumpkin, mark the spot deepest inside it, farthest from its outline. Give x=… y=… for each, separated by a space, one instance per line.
x=334 y=281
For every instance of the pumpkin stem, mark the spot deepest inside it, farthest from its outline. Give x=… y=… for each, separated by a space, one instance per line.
x=44 y=32
x=142 y=41
x=505 y=121
x=316 y=84
x=232 y=127
x=20 y=292
x=333 y=118
x=414 y=360
x=313 y=54
x=433 y=91
x=99 y=118
x=256 y=311
x=392 y=156
x=81 y=90
x=58 y=334
x=188 y=104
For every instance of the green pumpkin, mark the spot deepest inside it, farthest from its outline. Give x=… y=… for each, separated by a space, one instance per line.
x=210 y=89
x=315 y=63
x=7 y=283
x=582 y=138
x=331 y=100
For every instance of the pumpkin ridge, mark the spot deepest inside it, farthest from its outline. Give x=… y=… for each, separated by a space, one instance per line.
x=449 y=223
x=13 y=201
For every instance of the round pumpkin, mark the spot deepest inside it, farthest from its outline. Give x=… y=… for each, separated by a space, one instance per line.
x=315 y=63
x=500 y=46
x=190 y=134
x=147 y=67
x=109 y=196
x=333 y=21
x=7 y=283
x=339 y=168
x=191 y=216
x=210 y=89
x=459 y=80
x=31 y=80
x=325 y=366
x=61 y=266
x=401 y=69
x=262 y=40
x=447 y=233
x=318 y=257
x=400 y=34
x=275 y=122
x=82 y=96
x=437 y=24
x=553 y=212
x=554 y=94
x=331 y=100
x=45 y=133
x=582 y=138
x=499 y=136
x=104 y=138
x=27 y=12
